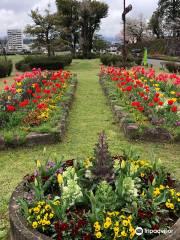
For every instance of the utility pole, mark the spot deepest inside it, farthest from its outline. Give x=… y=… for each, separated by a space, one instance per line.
x=126 y=10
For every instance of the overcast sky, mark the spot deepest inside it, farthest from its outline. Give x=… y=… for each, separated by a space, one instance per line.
x=14 y=13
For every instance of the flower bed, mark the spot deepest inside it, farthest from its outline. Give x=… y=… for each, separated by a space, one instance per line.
x=100 y=197
x=36 y=107
x=146 y=105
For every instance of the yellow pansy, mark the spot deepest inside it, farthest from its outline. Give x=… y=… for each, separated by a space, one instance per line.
x=125 y=223
x=107 y=225
x=96 y=224
x=161 y=187
x=56 y=203
x=36 y=210
x=156 y=192
x=98 y=235
x=35 y=224
x=19 y=84
x=142 y=175
x=19 y=90
x=123 y=234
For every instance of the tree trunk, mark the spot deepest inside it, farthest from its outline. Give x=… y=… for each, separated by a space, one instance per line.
x=49 y=50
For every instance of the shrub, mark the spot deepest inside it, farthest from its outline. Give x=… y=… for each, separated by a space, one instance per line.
x=22 y=66
x=173 y=67
x=5 y=68
x=138 y=60
x=110 y=59
x=44 y=62
x=93 y=56
x=117 y=61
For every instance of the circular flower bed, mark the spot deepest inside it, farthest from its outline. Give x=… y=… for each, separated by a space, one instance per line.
x=101 y=197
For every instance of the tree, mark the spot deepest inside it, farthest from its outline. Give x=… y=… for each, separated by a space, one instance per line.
x=99 y=43
x=44 y=30
x=90 y=13
x=68 y=19
x=135 y=29
x=155 y=24
x=170 y=12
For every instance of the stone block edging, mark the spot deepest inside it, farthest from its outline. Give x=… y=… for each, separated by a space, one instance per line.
x=20 y=230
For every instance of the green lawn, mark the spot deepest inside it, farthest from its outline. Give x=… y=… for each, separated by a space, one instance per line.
x=90 y=115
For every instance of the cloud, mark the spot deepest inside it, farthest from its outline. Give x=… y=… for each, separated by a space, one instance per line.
x=14 y=13
x=42 y=4
x=10 y=20
x=112 y=25
x=17 y=5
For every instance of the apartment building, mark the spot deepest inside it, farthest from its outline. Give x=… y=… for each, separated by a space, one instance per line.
x=15 y=40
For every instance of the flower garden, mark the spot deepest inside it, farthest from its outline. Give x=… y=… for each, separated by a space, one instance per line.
x=103 y=196
x=35 y=106
x=146 y=104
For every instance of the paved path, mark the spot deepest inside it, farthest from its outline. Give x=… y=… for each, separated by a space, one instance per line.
x=156 y=62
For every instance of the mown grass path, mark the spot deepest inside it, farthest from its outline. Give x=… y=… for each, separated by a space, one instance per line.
x=88 y=117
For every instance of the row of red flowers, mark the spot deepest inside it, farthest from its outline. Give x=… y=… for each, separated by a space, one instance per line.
x=156 y=96
x=33 y=92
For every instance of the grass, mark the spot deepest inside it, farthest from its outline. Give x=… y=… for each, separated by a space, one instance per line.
x=166 y=58
x=15 y=59
x=90 y=115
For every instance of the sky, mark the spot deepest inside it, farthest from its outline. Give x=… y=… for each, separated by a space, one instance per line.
x=15 y=13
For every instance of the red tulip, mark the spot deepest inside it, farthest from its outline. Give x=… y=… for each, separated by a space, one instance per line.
x=174 y=109
x=10 y=108
x=170 y=102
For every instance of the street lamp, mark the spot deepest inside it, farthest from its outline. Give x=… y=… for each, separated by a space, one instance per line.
x=126 y=11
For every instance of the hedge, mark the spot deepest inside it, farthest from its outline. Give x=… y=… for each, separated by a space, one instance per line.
x=5 y=68
x=173 y=67
x=44 y=62
x=117 y=61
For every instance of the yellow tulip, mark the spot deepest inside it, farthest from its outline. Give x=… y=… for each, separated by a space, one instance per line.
x=60 y=178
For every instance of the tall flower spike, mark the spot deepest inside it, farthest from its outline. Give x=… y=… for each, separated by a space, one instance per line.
x=103 y=166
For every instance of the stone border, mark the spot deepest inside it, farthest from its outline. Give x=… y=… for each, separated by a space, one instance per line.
x=36 y=138
x=20 y=230
x=132 y=130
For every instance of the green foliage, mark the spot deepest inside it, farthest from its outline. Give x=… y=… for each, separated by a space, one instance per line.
x=153 y=46
x=44 y=62
x=170 y=12
x=155 y=24
x=105 y=197
x=22 y=66
x=173 y=67
x=91 y=13
x=44 y=30
x=110 y=59
x=100 y=201
x=80 y=19
x=5 y=68
x=3 y=231
x=68 y=20
x=99 y=43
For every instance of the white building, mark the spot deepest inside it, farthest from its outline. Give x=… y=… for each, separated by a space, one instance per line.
x=15 y=40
